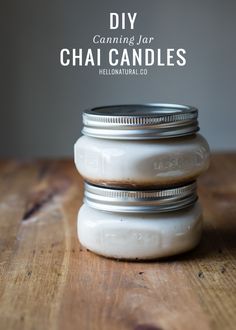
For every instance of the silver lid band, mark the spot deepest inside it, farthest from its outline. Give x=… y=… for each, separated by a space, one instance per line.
x=137 y=121
x=140 y=201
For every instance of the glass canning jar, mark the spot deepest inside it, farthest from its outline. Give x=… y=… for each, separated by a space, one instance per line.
x=150 y=145
x=138 y=225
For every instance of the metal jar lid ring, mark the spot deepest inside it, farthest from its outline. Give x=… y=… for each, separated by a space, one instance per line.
x=140 y=121
x=140 y=201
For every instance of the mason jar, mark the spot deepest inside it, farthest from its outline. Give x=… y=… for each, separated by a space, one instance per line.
x=139 y=224
x=140 y=146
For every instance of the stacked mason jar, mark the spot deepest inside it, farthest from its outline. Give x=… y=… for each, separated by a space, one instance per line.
x=140 y=164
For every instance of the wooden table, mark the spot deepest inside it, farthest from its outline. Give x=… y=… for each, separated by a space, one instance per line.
x=48 y=281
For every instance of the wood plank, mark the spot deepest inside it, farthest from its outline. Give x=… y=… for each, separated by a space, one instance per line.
x=48 y=281
x=14 y=182
x=31 y=285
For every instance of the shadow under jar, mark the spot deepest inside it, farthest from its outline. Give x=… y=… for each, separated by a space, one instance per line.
x=139 y=225
x=140 y=146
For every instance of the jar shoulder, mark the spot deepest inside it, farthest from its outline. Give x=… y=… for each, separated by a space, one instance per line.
x=94 y=215
x=88 y=140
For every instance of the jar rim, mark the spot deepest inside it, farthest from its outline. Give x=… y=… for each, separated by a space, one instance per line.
x=140 y=201
x=140 y=121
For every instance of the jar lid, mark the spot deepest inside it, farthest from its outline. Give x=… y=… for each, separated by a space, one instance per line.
x=140 y=121
x=140 y=201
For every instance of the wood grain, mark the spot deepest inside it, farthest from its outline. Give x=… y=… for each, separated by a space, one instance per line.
x=48 y=281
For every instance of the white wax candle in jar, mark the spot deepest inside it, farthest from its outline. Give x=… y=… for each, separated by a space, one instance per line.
x=140 y=146
x=140 y=225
